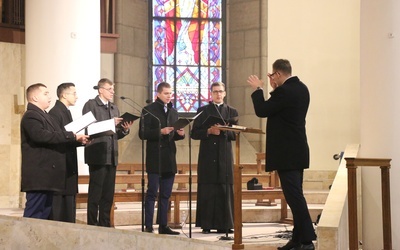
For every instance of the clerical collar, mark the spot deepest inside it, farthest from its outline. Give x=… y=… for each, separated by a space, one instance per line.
x=104 y=102
x=218 y=104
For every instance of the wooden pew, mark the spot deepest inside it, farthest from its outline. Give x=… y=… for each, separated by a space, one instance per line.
x=181 y=195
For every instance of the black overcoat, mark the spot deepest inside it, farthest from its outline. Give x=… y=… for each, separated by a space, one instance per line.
x=149 y=129
x=62 y=116
x=286 y=109
x=42 y=147
x=215 y=150
x=103 y=150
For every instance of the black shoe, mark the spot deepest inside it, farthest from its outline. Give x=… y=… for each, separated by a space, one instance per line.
x=222 y=231
x=206 y=231
x=305 y=247
x=149 y=230
x=290 y=245
x=166 y=230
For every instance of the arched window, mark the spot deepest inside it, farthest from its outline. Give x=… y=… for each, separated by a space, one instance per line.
x=187 y=48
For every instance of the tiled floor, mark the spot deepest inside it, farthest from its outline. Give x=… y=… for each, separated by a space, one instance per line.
x=255 y=235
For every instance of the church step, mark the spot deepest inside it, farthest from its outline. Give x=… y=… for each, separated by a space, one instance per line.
x=130 y=213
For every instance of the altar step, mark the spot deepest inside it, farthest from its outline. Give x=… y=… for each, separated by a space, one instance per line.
x=130 y=213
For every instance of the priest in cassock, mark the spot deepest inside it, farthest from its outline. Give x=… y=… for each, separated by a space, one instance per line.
x=215 y=164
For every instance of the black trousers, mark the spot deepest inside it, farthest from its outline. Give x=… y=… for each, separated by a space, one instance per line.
x=101 y=194
x=63 y=208
x=292 y=187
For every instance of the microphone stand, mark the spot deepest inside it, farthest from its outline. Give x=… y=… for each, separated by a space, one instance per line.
x=190 y=180
x=159 y=152
x=226 y=237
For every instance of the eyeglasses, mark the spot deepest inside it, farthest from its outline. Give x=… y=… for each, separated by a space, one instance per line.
x=218 y=91
x=271 y=75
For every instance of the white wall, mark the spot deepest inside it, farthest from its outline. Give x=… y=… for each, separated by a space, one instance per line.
x=321 y=39
x=380 y=105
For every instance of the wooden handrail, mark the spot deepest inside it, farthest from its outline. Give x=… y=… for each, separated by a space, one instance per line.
x=352 y=164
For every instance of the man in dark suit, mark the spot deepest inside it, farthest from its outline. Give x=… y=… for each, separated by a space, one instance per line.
x=287 y=148
x=158 y=118
x=215 y=165
x=101 y=154
x=43 y=153
x=64 y=205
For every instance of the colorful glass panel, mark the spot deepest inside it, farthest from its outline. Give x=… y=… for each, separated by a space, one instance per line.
x=187 y=49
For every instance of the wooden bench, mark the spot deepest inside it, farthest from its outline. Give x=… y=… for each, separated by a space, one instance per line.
x=180 y=195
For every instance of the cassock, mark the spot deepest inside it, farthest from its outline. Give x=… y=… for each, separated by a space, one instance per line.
x=215 y=170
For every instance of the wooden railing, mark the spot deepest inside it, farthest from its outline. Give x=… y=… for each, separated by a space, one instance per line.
x=352 y=164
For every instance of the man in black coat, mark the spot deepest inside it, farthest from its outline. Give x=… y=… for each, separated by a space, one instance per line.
x=64 y=205
x=43 y=153
x=287 y=148
x=101 y=154
x=215 y=165
x=158 y=118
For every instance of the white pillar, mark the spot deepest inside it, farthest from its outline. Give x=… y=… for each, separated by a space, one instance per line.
x=63 y=45
x=380 y=107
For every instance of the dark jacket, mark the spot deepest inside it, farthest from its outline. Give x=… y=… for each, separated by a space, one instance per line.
x=286 y=109
x=61 y=114
x=215 y=150
x=42 y=148
x=151 y=132
x=103 y=150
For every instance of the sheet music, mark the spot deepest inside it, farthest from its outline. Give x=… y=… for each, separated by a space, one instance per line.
x=106 y=127
x=81 y=123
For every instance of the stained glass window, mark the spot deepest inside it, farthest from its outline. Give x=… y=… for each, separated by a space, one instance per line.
x=187 y=49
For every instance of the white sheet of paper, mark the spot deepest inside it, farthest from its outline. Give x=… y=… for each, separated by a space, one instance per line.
x=106 y=127
x=81 y=123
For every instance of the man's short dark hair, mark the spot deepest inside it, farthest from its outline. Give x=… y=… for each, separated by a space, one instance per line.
x=103 y=81
x=32 y=88
x=283 y=66
x=162 y=85
x=214 y=84
x=62 y=87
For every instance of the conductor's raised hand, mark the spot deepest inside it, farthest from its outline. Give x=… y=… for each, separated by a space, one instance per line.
x=254 y=82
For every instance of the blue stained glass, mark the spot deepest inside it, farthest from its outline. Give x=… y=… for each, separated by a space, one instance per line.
x=211 y=8
x=162 y=8
x=159 y=42
x=162 y=74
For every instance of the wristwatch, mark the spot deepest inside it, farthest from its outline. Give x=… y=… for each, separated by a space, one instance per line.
x=259 y=88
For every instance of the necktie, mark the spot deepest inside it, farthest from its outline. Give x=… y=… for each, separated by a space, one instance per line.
x=165 y=108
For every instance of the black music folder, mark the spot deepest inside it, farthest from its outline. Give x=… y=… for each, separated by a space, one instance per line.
x=128 y=117
x=213 y=120
x=184 y=121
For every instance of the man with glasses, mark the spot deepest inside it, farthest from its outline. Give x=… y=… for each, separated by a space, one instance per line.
x=215 y=165
x=64 y=205
x=101 y=154
x=287 y=148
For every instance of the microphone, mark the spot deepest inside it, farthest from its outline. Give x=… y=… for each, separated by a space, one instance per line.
x=123 y=98
x=96 y=87
x=219 y=113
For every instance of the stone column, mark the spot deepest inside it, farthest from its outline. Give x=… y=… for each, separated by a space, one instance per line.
x=63 y=45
